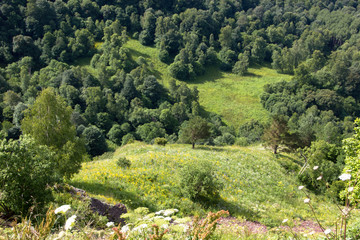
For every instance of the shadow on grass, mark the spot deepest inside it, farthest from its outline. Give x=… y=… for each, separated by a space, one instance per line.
x=138 y=53
x=234 y=209
x=211 y=74
x=130 y=199
x=249 y=74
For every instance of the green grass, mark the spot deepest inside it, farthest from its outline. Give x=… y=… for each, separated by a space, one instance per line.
x=235 y=98
x=256 y=186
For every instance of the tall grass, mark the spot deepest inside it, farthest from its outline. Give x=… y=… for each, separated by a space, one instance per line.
x=256 y=186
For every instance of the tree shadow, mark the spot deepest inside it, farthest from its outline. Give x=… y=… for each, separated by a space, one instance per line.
x=130 y=199
x=137 y=53
x=211 y=74
x=234 y=209
x=249 y=74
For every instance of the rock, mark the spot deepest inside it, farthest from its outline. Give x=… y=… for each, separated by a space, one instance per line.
x=112 y=212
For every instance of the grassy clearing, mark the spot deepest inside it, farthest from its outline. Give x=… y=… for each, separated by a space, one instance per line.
x=256 y=186
x=235 y=98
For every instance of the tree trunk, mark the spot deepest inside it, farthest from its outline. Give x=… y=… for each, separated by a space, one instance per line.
x=275 y=149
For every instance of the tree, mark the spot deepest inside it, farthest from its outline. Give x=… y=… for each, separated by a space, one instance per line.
x=275 y=134
x=94 y=141
x=26 y=170
x=48 y=121
x=193 y=130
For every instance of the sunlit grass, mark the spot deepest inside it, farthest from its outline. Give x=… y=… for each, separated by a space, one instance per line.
x=256 y=187
x=235 y=98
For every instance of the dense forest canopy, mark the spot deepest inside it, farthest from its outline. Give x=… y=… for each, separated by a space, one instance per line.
x=119 y=98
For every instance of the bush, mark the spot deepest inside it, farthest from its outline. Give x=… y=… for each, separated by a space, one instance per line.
x=226 y=139
x=128 y=138
x=160 y=141
x=199 y=182
x=26 y=171
x=242 y=141
x=123 y=162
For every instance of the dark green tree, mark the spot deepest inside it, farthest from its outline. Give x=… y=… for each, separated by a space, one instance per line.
x=193 y=130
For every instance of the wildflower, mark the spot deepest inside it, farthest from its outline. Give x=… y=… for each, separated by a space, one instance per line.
x=168 y=212
x=110 y=224
x=345 y=176
x=327 y=231
x=301 y=187
x=160 y=212
x=63 y=209
x=168 y=218
x=315 y=167
x=285 y=220
x=307 y=200
x=319 y=178
x=125 y=229
x=165 y=226
x=312 y=233
x=70 y=223
x=350 y=189
x=140 y=227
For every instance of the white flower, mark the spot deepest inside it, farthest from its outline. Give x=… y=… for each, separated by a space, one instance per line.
x=125 y=229
x=301 y=187
x=186 y=227
x=319 y=178
x=176 y=210
x=70 y=222
x=307 y=200
x=110 y=224
x=350 y=189
x=345 y=176
x=164 y=226
x=315 y=167
x=63 y=209
x=327 y=231
x=140 y=227
x=312 y=233
x=285 y=220
x=169 y=212
x=61 y=235
x=160 y=212
x=168 y=218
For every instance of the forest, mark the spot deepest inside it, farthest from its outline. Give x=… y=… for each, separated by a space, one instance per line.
x=70 y=89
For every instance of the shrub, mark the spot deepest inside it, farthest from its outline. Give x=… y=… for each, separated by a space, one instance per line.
x=226 y=139
x=26 y=171
x=123 y=162
x=160 y=141
x=128 y=138
x=199 y=182
x=242 y=141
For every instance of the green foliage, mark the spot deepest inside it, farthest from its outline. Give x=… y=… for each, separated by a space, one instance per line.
x=27 y=169
x=150 y=131
x=352 y=163
x=225 y=139
x=123 y=162
x=198 y=182
x=160 y=141
x=94 y=141
x=48 y=122
x=193 y=130
x=327 y=157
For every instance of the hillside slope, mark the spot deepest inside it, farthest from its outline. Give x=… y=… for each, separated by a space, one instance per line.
x=235 y=98
x=256 y=186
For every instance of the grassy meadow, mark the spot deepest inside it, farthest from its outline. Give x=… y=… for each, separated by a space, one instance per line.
x=256 y=185
x=235 y=98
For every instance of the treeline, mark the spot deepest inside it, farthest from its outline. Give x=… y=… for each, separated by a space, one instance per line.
x=315 y=40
